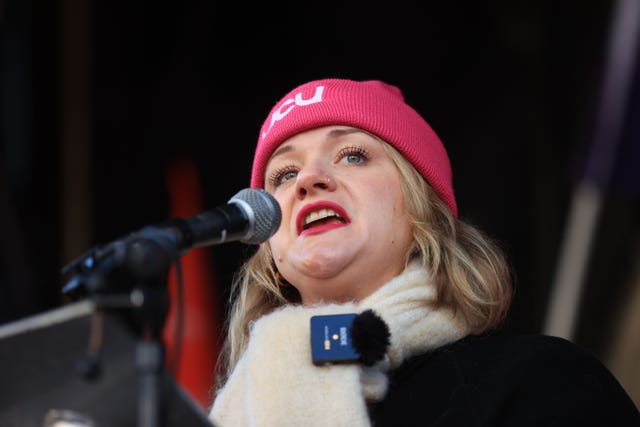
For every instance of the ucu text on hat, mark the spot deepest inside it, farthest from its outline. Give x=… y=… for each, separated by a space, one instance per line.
x=279 y=113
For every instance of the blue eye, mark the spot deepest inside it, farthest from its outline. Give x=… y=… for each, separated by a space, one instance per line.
x=353 y=155
x=287 y=176
x=355 y=158
x=282 y=175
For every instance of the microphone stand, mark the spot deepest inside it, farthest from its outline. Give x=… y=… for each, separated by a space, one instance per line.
x=149 y=365
x=129 y=276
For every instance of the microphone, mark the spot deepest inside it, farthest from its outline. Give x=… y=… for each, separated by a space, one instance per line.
x=251 y=216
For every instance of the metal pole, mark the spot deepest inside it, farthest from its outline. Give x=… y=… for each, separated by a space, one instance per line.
x=586 y=203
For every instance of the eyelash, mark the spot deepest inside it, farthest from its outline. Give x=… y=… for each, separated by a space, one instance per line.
x=275 y=177
x=353 y=150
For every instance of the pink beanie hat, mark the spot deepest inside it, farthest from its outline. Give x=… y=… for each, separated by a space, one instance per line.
x=374 y=106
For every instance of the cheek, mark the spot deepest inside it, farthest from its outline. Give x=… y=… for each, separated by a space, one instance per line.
x=276 y=244
x=388 y=196
x=286 y=216
x=282 y=239
x=395 y=216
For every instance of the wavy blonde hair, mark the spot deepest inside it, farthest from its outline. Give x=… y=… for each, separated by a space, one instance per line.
x=469 y=269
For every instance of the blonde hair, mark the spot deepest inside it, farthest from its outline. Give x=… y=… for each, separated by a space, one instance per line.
x=469 y=269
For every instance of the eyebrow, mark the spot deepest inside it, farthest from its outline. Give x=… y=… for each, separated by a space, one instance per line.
x=332 y=134
x=281 y=150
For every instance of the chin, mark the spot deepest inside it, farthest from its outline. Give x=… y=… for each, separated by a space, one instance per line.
x=322 y=263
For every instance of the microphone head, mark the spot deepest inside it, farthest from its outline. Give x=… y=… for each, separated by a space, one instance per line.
x=263 y=211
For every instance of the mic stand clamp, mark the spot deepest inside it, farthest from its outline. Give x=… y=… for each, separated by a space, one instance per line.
x=130 y=276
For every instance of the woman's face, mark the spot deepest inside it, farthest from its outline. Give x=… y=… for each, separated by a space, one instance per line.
x=344 y=230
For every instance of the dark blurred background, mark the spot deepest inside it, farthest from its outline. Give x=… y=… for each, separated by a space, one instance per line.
x=101 y=98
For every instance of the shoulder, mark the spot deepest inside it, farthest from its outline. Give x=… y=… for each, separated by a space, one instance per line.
x=517 y=351
x=565 y=380
x=515 y=380
x=544 y=363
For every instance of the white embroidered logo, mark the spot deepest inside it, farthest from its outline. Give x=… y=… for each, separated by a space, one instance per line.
x=280 y=113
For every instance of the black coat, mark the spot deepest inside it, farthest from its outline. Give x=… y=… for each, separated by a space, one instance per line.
x=499 y=380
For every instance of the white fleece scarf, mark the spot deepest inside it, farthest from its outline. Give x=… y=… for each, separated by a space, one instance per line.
x=275 y=384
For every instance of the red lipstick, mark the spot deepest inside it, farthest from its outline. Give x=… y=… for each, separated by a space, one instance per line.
x=317 y=206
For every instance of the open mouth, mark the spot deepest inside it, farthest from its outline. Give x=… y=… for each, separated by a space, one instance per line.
x=322 y=217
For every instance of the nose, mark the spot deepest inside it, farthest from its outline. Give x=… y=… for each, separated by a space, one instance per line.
x=314 y=179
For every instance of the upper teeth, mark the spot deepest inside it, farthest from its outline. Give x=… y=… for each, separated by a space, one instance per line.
x=323 y=213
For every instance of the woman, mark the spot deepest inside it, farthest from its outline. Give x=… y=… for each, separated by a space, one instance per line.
x=370 y=229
